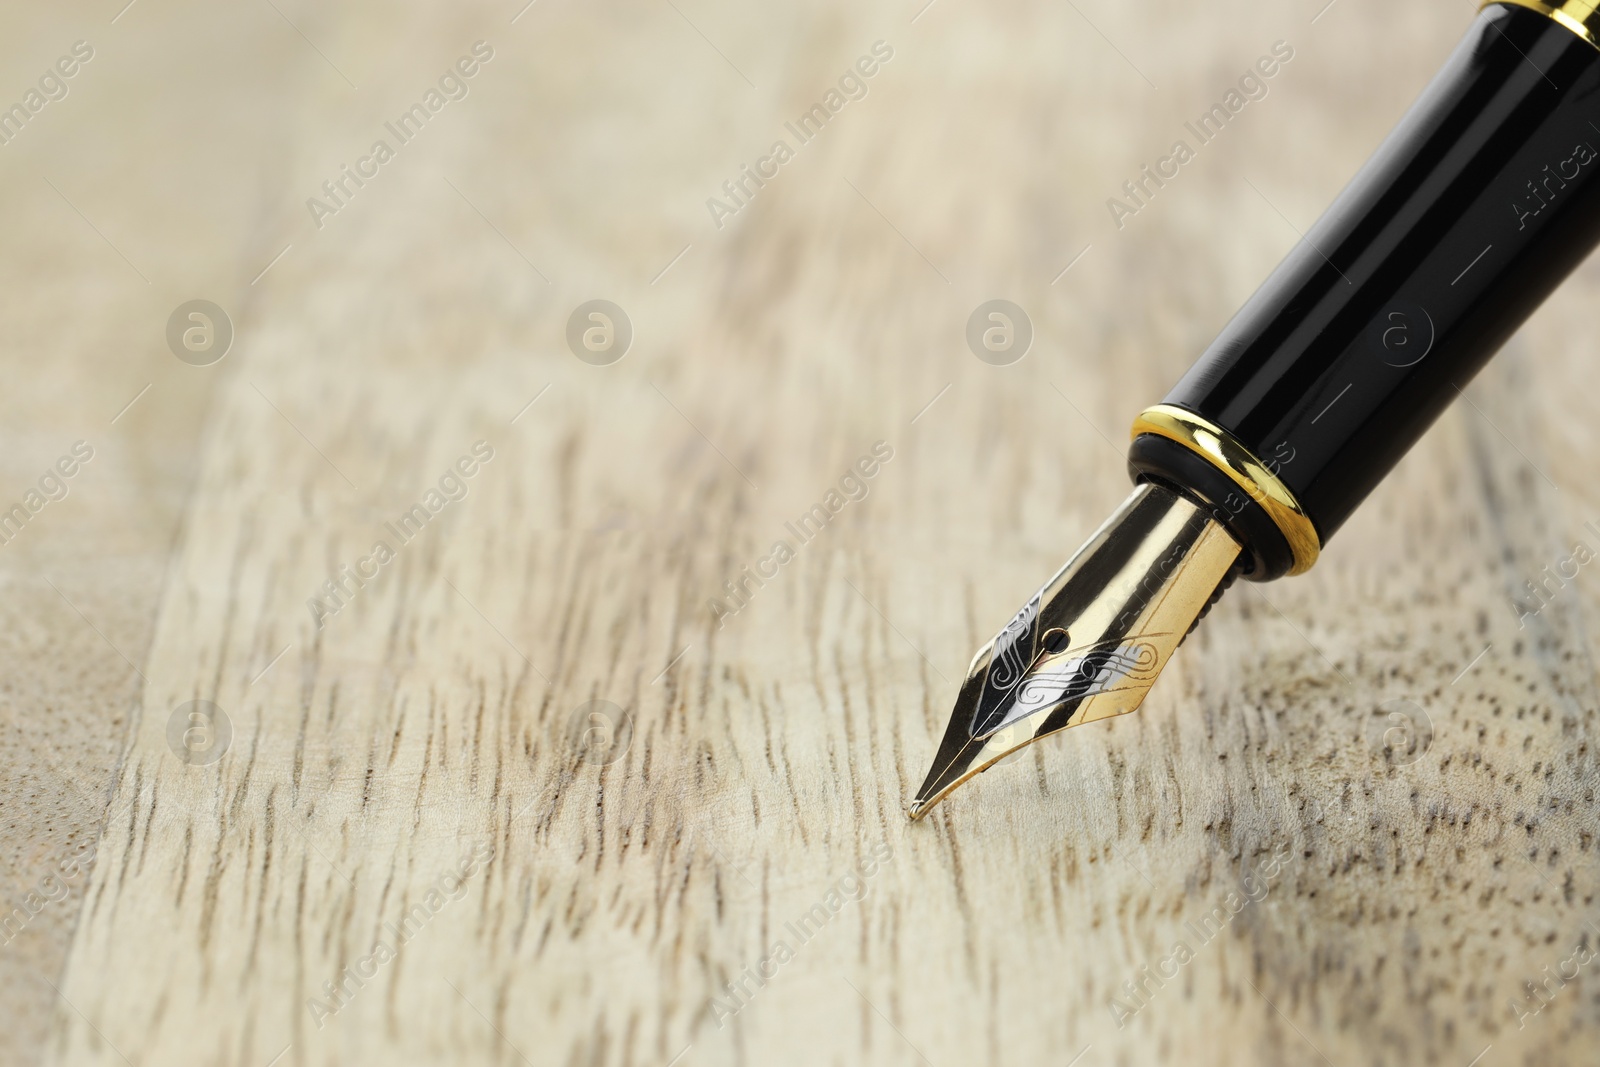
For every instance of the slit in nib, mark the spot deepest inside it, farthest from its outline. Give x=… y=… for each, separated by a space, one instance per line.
x=1090 y=643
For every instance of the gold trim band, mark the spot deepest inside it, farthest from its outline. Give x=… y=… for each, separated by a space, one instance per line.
x=1225 y=452
x=1582 y=17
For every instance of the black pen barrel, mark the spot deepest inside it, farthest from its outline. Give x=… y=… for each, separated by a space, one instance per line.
x=1482 y=199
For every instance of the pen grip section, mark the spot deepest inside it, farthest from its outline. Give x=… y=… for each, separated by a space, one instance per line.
x=1471 y=212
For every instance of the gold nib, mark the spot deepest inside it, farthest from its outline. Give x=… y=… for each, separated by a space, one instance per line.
x=1091 y=642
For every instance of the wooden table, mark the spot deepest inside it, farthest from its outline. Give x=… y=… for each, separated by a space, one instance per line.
x=516 y=791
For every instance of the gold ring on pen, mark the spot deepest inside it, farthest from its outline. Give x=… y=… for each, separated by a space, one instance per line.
x=1226 y=453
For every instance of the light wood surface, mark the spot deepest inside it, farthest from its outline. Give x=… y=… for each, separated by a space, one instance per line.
x=414 y=789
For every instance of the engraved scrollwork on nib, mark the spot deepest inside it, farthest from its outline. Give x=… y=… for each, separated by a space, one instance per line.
x=1100 y=670
x=1091 y=642
x=1012 y=653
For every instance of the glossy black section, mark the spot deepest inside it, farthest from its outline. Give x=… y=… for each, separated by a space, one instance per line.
x=1267 y=554
x=1477 y=205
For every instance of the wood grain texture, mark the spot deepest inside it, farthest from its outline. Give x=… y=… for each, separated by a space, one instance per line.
x=408 y=795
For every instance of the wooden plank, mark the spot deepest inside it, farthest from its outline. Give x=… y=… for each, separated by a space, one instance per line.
x=122 y=203
x=417 y=802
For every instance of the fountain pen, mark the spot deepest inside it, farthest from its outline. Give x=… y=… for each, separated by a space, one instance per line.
x=1483 y=198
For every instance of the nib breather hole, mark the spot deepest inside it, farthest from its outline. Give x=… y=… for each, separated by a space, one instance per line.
x=1055 y=640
